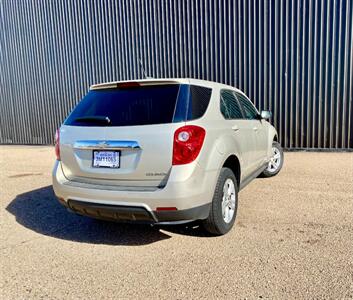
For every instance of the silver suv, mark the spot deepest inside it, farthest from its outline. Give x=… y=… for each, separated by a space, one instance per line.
x=163 y=151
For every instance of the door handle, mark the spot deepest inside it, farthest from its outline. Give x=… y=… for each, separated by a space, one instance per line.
x=235 y=127
x=256 y=129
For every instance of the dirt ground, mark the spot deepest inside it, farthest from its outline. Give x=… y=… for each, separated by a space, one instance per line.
x=293 y=238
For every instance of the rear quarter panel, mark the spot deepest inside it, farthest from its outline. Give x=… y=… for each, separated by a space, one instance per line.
x=219 y=141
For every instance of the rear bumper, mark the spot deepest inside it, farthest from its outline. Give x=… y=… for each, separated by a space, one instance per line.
x=189 y=189
x=120 y=213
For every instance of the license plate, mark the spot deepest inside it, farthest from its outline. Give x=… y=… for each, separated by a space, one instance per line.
x=106 y=159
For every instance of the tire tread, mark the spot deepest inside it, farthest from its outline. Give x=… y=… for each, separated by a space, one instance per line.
x=215 y=224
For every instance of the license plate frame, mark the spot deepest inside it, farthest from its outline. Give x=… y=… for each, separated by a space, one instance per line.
x=105 y=164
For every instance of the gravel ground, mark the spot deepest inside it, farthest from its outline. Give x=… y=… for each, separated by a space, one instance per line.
x=293 y=239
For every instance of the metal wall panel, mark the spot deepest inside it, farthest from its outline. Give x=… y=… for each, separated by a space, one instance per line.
x=293 y=57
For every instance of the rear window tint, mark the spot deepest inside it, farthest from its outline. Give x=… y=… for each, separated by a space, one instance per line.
x=249 y=110
x=193 y=101
x=230 y=108
x=144 y=105
x=198 y=103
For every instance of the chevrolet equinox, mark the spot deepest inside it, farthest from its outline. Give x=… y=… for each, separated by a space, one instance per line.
x=163 y=151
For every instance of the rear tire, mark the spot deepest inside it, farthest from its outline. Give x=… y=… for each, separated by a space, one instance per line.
x=276 y=162
x=224 y=204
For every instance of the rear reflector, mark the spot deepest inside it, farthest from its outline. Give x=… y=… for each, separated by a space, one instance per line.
x=62 y=201
x=166 y=208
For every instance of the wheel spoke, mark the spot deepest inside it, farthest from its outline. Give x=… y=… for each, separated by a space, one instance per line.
x=227 y=214
x=224 y=205
x=231 y=205
x=228 y=201
x=232 y=202
x=225 y=189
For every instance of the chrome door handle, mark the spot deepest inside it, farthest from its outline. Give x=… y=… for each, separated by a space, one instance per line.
x=114 y=145
x=235 y=127
x=256 y=129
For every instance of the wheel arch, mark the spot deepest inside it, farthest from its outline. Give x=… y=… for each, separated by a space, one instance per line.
x=272 y=137
x=232 y=162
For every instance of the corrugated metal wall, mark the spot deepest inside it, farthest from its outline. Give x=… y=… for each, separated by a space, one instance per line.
x=294 y=57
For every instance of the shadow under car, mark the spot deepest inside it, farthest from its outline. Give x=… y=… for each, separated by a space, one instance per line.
x=40 y=211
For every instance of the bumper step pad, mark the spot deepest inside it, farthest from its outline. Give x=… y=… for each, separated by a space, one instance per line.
x=111 y=212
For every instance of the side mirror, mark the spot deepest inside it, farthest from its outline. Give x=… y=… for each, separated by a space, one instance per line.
x=266 y=114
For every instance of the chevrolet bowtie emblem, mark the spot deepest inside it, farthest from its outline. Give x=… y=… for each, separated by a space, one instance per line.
x=102 y=144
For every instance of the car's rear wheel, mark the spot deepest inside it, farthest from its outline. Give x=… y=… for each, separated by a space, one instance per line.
x=276 y=161
x=224 y=204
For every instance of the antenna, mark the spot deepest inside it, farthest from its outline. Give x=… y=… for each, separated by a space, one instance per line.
x=143 y=70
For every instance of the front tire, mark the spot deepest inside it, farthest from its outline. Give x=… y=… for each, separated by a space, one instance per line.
x=224 y=204
x=276 y=161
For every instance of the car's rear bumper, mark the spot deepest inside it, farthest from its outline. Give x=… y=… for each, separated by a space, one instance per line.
x=136 y=214
x=190 y=191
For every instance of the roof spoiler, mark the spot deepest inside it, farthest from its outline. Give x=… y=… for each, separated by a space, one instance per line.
x=130 y=84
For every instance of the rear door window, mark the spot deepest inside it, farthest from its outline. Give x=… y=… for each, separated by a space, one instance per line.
x=230 y=107
x=250 y=111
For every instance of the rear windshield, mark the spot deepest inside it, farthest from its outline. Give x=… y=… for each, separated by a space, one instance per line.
x=144 y=105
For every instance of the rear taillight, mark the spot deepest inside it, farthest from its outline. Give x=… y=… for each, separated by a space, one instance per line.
x=57 y=144
x=188 y=142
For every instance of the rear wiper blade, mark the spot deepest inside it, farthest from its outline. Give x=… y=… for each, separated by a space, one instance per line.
x=94 y=119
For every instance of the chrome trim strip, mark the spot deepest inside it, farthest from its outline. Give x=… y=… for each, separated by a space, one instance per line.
x=113 y=145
